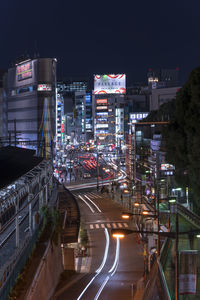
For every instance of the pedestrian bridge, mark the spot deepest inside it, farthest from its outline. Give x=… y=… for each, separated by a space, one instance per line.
x=162 y=280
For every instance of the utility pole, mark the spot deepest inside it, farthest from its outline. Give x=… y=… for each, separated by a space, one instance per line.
x=177 y=257
x=97 y=169
x=15 y=132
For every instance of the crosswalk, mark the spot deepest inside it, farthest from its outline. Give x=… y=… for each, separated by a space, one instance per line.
x=110 y=225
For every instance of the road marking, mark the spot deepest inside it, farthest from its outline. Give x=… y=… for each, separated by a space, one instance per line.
x=93 y=203
x=125 y=225
x=102 y=225
x=87 y=204
x=97 y=226
x=114 y=225
x=120 y=225
x=94 y=195
x=91 y=226
x=101 y=266
x=108 y=225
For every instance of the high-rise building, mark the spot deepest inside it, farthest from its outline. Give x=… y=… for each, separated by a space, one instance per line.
x=161 y=78
x=30 y=89
x=83 y=116
x=108 y=109
x=70 y=86
x=60 y=119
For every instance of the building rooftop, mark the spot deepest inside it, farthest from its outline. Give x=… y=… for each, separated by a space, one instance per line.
x=15 y=162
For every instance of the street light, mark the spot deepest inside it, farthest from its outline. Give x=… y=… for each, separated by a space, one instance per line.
x=127 y=215
x=118 y=235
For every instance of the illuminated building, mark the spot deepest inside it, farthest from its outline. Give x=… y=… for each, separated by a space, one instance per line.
x=108 y=109
x=31 y=102
x=162 y=78
x=60 y=119
x=70 y=86
x=83 y=116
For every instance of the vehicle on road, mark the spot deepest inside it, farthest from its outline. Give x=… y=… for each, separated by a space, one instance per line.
x=86 y=175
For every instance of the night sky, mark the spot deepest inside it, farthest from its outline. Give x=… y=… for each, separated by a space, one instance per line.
x=89 y=37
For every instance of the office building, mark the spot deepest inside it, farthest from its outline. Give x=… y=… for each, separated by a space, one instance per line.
x=163 y=78
x=83 y=116
x=161 y=96
x=60 y=119
x=108 y=110
x=30 y=88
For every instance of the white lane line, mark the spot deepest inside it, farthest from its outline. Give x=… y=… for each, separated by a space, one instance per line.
x=119 y=225
x=101 y=288
x=115 y=264
x=112 y=270
x=125 y=225
x=102 y=264
x=106 y=251
x=114 y=225
x=93 y=203
x=91 y=226
x=92 y=210
x=93 y=195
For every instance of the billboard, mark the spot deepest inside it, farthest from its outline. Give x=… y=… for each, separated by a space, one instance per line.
x=110 y=84
x=24 y=71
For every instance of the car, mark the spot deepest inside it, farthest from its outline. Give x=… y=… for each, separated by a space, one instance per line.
x=86 y=175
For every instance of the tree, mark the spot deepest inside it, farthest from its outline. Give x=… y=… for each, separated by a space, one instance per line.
x=183 y=136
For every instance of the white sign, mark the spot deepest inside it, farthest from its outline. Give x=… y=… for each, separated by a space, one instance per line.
x=110 y=84
x=45 y=87
x=188 y=272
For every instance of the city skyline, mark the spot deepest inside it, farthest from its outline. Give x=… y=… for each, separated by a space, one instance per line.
x=108 y=39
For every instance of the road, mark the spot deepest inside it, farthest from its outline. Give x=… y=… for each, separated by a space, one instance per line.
x=116 y=265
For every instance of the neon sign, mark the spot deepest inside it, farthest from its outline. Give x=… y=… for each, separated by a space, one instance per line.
x=24 y=71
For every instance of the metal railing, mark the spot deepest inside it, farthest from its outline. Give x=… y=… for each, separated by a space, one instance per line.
x=193 y=218
x=11 y=271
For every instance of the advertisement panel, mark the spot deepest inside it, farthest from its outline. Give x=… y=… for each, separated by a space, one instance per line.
x=110 y=84
x=102 y=101
x=188 y=272
x=24 y=71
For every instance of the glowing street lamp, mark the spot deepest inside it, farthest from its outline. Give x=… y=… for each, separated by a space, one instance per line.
x=126 y=215
x=145 y=212
x=118 y=235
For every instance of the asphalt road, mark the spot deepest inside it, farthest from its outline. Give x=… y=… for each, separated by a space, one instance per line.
x=116 y=266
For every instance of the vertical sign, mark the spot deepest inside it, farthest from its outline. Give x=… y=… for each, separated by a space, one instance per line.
x=188 y=272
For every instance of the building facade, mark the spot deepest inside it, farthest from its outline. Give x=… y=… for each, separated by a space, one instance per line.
x=30 y=89
x=108 y=109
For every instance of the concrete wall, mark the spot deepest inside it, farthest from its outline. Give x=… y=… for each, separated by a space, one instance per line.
x=47 y=275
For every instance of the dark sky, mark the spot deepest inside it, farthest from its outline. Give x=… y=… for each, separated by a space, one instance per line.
x=90 y=37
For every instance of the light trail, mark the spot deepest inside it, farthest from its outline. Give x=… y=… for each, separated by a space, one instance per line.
x=115 y=264
x=101 y=288
x=93 y=203
x=112 y=269
x=102 y=264
x=92 y=210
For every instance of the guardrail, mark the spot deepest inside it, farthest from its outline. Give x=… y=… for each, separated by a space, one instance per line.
x=188 y=213
x=157 y=277
x=13 y=267
x=16 y=264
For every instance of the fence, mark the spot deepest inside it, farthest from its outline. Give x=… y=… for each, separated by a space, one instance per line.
x=11 y=271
